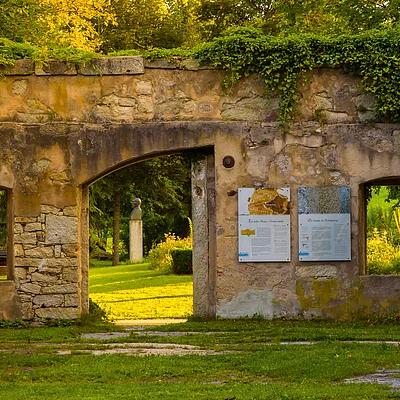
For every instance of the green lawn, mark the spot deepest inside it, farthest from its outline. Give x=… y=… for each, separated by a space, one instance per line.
x=250 y=362
x=137 y=292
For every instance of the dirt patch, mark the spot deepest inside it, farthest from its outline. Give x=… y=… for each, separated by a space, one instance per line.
x=144 y=349
x=133 y=349
x=386 y=377
x=116 y=335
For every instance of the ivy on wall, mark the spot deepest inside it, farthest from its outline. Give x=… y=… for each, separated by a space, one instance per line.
x=281 y=61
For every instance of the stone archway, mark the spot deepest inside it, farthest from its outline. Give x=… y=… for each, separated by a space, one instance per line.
x=203 y=212
x=203 y=219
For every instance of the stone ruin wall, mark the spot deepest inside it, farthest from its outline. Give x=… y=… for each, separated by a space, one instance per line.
x=62 y=126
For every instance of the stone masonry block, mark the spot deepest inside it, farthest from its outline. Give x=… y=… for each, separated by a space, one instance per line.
x=47 y=209
x=316 y=271
x=26 y=238
x=18 y=228
x=27 y=312
x=70 y=250
x=33 y=227
x=27 y=262
x=64 y=289
x=30 y=288
x=49 y=300
x=70 y=211
x=25 y=220
x=71 y=300
x=57 y=313
x=20 y=273
x=161 y=63
x=40 y=252
x=43 y=278
x=70 y=274
x=20 y=67
x=61 y=229
x=55 y=67
x=19 y=250
x=114 y=66
x=61 y=262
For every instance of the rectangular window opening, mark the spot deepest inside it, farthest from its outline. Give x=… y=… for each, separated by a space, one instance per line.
x=382 y=229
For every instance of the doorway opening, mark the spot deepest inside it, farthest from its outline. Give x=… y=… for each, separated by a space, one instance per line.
x=153 y=288
x=382 y=227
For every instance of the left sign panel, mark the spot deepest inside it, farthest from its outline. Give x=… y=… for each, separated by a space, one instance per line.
x=264 y=224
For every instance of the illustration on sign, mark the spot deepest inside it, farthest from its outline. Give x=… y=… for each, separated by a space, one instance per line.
x=264 y=224
x=324 y=223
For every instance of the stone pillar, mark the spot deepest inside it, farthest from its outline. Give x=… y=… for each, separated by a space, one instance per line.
x=204 y=237
x=136 y=233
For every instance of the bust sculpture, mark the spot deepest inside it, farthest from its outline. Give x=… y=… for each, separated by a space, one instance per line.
x=137 y=211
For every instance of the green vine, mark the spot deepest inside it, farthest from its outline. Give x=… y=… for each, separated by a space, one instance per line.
x=283 y=62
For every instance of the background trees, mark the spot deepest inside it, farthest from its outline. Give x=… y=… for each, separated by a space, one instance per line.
x=145 y=24
x=115 y=25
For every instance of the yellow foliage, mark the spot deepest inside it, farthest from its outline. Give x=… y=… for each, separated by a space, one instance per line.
x=70 y=23
x=160 y=256
x=382 y=256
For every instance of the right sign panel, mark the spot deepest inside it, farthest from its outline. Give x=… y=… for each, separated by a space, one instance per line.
x=324 y=223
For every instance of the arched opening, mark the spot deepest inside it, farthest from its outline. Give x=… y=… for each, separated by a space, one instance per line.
x=380 y=227
x=203 y=222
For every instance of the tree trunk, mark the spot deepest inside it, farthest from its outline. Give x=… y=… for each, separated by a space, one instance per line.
x=116 y=226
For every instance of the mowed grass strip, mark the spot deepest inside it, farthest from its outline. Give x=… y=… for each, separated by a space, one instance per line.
x=246 y=366
x=272 y=372
x=137 y=292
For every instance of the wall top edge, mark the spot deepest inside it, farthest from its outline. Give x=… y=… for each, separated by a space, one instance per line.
x=116 y=65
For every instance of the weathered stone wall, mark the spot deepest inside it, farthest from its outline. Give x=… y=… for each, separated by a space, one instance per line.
x=61 y=127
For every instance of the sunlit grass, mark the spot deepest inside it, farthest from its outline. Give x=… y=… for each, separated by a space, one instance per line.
x=137 y=292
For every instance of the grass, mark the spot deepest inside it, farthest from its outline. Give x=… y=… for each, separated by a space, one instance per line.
x=138 y=292
x=251 y=363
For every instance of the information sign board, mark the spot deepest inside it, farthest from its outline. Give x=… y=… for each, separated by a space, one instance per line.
x=324 y=223
x=264 y=224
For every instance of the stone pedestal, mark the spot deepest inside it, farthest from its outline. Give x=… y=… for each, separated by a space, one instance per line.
x=136 y=233
x=136 y=240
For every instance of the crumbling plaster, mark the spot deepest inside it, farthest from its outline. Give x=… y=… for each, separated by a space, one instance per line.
x=62 y=127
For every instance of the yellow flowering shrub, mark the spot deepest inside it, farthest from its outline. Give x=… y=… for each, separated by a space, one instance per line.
x=160 y=256
x=383 y=258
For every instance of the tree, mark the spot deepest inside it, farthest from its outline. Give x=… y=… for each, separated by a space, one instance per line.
x=145 y=24
x=282 y=17
x=219 y=15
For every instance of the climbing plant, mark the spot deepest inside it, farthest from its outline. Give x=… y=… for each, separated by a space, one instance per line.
x=283 y=62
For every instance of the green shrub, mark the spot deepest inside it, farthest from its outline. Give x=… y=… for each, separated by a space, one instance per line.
x=182 y=261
